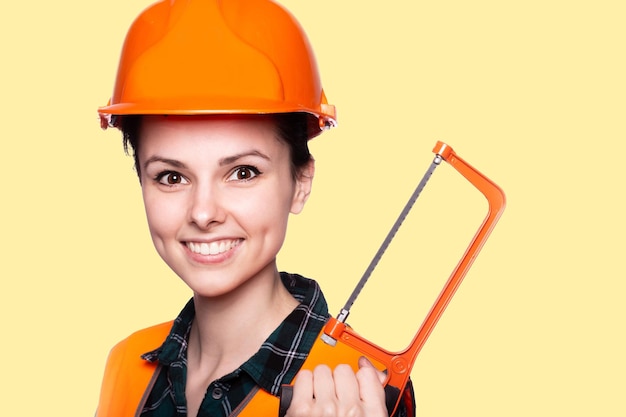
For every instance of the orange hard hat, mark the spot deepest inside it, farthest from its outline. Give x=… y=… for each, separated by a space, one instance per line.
x=191 y=57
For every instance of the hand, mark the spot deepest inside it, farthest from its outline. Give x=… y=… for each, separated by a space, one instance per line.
x=339 y=393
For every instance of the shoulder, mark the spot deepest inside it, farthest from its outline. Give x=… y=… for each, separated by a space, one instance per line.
x=125 y=357
x=126 y=374
x=141 y=341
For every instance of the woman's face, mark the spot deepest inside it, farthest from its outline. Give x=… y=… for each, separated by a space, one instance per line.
x=218 y=193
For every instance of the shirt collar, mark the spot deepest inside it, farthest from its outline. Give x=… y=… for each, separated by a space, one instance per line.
x=285 y=350
x=281 y=355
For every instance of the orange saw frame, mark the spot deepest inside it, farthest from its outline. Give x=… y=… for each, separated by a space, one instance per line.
x=399 y=364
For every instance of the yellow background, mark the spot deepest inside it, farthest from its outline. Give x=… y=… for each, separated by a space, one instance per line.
x=532 y=93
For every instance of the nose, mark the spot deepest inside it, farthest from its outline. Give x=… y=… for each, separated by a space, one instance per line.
x=206 y=209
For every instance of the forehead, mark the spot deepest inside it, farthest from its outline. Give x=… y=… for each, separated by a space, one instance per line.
x=181 y=134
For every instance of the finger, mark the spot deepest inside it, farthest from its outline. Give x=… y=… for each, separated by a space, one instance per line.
x=366 y=363
x=346 y=386
x=323 y=385
x=303 y=388
x=371 y=391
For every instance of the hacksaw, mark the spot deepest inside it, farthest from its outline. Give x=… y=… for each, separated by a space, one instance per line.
x=398 y=365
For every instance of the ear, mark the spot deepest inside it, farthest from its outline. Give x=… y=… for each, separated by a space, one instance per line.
x=304 y=182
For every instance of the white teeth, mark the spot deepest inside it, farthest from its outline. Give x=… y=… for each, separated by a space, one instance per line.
x=213 y=248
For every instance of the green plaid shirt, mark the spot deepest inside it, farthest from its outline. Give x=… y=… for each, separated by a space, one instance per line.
x=276 y=363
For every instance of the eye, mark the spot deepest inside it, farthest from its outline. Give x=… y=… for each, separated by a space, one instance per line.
x=170 y=178
x=244 y=173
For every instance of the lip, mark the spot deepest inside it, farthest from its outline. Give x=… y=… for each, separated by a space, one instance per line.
x=211 y=252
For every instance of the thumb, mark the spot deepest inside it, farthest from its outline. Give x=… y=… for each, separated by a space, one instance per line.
x=366 y=363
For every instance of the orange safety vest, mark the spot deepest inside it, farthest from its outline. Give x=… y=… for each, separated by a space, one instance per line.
x=128 y=379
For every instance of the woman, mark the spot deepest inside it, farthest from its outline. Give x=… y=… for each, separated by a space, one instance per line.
x=217 y=101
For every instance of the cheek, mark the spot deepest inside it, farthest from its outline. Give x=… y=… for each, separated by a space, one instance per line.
x=161 y=215
x=278 y=209
x=266 y=210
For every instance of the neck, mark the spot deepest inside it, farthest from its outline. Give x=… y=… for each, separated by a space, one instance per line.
x=228 y=330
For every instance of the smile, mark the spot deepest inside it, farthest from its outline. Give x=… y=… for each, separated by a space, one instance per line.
x=213 y=248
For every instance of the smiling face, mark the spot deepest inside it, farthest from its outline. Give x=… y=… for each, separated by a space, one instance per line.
x=218 y=193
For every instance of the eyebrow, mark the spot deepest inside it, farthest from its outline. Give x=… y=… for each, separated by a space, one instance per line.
x=156 y=158
x=230 y=159
x=222 y=162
